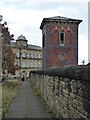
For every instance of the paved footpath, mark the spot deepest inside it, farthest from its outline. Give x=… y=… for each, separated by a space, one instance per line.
x=27 y=105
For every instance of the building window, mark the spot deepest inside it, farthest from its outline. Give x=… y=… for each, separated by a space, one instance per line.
x=17 y=54
x=62 y=37
x=24 y=65
x=17 y=63
x=39 y=64
x=39 y=56
x=27 y=64
x=35 y=55
x=23 y=55
x=43 y=40
x=31 y=55
x=35 y=64
x=27 y=55
x=31 y=64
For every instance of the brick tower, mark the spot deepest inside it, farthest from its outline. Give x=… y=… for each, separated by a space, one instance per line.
x=59 y=41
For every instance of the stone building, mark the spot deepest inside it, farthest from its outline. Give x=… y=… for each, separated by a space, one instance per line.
x=28 y=57
x=59 y=41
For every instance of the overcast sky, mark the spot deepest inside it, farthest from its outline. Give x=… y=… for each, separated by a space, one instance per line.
x=25 y=16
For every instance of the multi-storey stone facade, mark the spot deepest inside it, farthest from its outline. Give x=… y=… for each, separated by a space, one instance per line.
x=66 y=91
x=59 y=41
x=28 y=57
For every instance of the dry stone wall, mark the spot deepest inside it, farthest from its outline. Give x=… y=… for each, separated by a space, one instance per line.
x=66 y=96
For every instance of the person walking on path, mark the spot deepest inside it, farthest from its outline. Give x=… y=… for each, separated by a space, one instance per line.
x=22 y=78
x=27 y=105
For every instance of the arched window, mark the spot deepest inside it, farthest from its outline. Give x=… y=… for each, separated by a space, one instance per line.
x=55 y=37
x=62 y=37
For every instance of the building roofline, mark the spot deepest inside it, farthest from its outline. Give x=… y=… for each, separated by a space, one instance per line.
x=29 y=46
x=59 y=19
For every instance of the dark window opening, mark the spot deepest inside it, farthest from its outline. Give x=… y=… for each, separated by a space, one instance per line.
x=43 y=40
x=62 y=37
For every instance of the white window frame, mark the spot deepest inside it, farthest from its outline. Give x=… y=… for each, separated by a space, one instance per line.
x=39 y=65
x=39 y=55
x=27 y=55
x=35 y=64
x=24 y=64
x=27 y=64
x=23 y=55
x=31 y=64
x=35 y=55
x=31 y=55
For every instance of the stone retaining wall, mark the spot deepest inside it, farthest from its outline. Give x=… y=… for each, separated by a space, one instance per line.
x=66 y=91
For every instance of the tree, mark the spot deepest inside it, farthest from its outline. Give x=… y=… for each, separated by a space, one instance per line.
x=8 y=57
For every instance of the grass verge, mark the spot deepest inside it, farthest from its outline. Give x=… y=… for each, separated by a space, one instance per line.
x=36 y=91
x=9 y=91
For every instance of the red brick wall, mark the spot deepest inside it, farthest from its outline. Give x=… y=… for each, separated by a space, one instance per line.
x=55 y=50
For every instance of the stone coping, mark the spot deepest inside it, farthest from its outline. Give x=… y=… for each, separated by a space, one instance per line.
x=78 y=72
